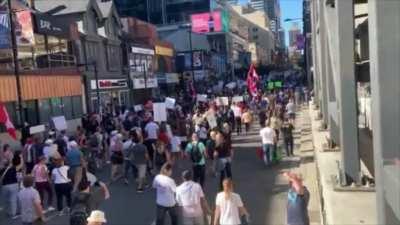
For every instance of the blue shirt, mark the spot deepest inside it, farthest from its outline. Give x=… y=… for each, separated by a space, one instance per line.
x=74 y=157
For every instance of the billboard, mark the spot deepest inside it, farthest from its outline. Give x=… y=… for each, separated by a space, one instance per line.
x=209 y=22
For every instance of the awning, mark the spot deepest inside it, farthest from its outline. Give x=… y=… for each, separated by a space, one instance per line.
x=42 y=86
x=8 y=89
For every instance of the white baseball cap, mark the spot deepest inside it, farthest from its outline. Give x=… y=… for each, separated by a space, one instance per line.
x=97 y=216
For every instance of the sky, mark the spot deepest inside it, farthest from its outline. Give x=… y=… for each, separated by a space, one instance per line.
x=289 y=9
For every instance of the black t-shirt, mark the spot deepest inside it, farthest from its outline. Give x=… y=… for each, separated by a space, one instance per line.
x=10 y=177
x=287 y=131
x=223 y=150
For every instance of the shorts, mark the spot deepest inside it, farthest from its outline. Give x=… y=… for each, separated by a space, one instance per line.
x=142 y=168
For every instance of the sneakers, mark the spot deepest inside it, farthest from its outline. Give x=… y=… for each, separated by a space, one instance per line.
x=50 y=208
x=140 y=190
x=126 y=182
x=15 y=217
x=64 y=212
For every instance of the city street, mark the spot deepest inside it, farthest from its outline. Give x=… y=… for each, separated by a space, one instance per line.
x=262 y=190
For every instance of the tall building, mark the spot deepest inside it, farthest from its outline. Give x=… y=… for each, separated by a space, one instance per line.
x=293 y=32
x=282 y=39
x=258 y=4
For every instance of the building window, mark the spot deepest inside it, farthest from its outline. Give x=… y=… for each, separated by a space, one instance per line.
x=67 y=107
x=44 y=111
x=77 y=106
x=113 y=57
x=56 y=107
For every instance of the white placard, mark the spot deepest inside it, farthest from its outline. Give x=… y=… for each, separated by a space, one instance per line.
x=138 y=108
x=170 y=103
x=224 y=100
x=212 y=121
x=37 y=129
x=202 y=98
x=60 y=123
x=160 y=112
x=237 y=99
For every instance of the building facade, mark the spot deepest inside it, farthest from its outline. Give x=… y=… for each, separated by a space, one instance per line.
x=356 y=64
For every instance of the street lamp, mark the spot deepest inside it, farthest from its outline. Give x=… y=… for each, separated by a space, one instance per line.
x=188 y=26
x=96 y=77
x=292 y=19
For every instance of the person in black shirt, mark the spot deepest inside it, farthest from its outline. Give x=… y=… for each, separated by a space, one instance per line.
x=9 y=179
x=223 y=153
x=287 y=132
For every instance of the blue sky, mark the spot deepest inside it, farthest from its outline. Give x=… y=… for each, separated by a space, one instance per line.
x=289 y=9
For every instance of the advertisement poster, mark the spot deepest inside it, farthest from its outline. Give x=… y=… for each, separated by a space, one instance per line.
x=5 y=41
x=207 y=22
x=24 y=28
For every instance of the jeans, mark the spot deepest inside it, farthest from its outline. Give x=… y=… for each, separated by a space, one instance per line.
x=268 y=153
x=127 y=166
x=288 y=142
x=43 y=187
x=199 y=174
x=247 y=127
x=225 y=172
x=238 y=125
x=63 y=190
x=10 y=196
x=161 y=211
x=193 y=220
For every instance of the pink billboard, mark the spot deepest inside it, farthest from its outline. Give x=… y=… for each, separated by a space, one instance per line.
x=206 y=22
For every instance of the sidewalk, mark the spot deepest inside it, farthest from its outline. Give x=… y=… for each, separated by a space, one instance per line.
x=339 y=208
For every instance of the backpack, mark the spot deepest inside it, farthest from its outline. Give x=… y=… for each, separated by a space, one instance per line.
x=195 y=154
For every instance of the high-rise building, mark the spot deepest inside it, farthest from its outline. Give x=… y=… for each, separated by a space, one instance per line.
x=293 y=32
x=258 y=4
x=282 y=39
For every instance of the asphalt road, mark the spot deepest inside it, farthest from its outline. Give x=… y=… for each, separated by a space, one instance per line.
x=262 y=189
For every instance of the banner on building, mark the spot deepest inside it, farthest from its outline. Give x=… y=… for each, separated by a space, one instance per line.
x=217 y=21
x=5 y=38
x=24 y=28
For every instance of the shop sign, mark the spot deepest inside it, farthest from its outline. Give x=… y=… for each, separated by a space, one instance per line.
x=109 y=84
x=139 y=83
x=160 y=50
x=171 y=78
x=144 y=51
x=45 y=24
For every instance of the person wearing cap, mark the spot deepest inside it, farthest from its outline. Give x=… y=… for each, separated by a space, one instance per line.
x=190 y=198
x=96 y=217
x=298 y=199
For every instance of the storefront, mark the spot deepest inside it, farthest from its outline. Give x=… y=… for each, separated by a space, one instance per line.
x=144 y=81
x=111 y=92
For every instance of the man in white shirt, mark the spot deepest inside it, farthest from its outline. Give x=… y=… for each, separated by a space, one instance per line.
x=238 y=118
x=166 y=189
x=291 y=109
x=190 y=197
x=268 y=138
x=151 y=129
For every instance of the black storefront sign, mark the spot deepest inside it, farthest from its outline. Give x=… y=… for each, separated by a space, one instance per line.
x=50 y=25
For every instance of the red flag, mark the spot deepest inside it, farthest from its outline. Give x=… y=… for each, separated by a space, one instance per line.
x=252 y=80
x=5 y=119
x=192 y=89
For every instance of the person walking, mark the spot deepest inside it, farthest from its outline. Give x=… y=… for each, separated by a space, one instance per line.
x=117 y=158
x=210 y=147
x=197 y=153
x=42 y=182
x=9 y=182
x=129 y=157
x=287 y=133
x=31 y=210
x=223 y=154
x=62 y=186
x=29 y=155
x=75 y=161
x=237 y=111
x=247 y=119
x=229 y=207
x=166 y=189
x=141 y=158
x=190 y=198
x=298 y=199
x=268 y=139
x=291 y=110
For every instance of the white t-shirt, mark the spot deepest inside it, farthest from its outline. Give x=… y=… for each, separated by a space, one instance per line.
x=166 y=189
x=236 y=111
x=291 y=108
x=188 y=196
x=175 y=144
x=151 y=129
x=229 y=208
x=201 y=131
x=267 y=135
x=60 y=175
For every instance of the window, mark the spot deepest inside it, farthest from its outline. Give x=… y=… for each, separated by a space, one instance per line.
x=44 y=110
x=113 y=57
x=67 y=107
x=56 y=107
x=77 y=106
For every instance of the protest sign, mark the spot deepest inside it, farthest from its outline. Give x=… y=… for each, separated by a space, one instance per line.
x=170 y=103
x=212 y=121
x=201 y=98
x=138 y=108
x=237 y=99
x=160 y=112
x=59 y=123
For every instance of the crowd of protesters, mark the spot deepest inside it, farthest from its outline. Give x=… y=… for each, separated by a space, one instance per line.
x=146 y=151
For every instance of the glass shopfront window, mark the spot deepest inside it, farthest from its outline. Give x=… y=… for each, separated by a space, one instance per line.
x=56 y=107
x=44 y=110
x=67 y=107
x=77 y=106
